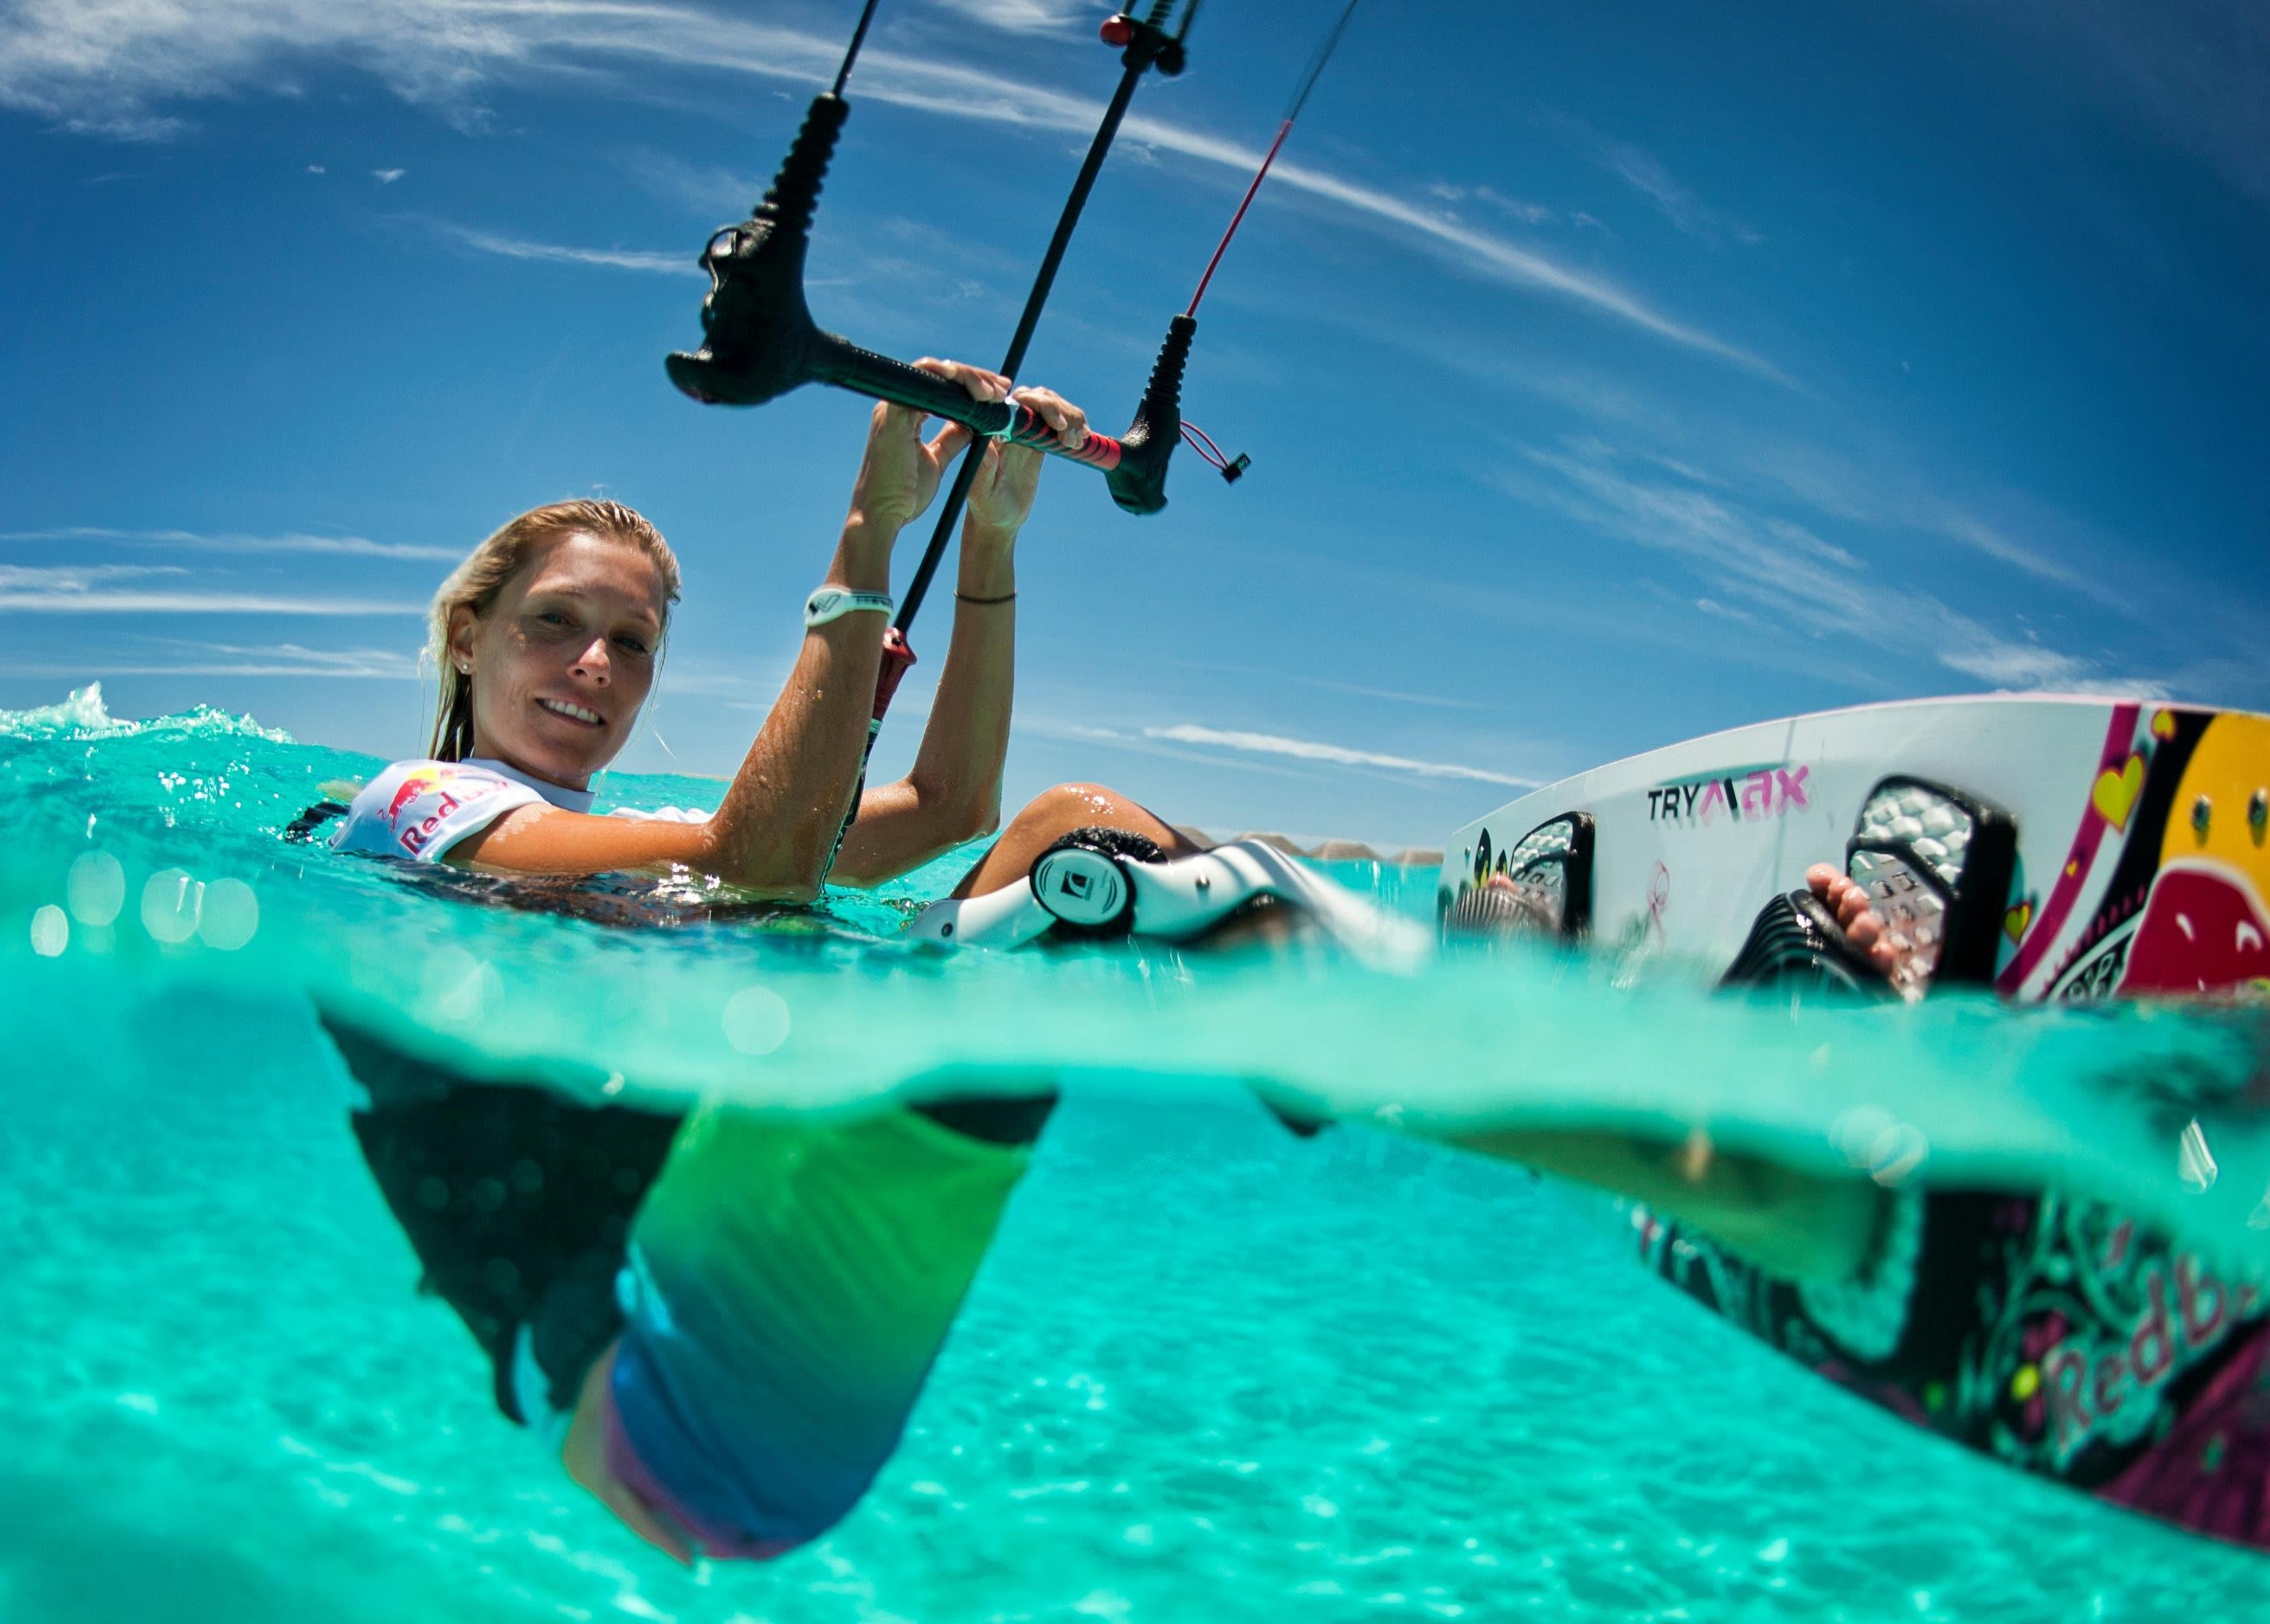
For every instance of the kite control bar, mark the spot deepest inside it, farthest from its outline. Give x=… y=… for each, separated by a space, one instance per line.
x=760 y=341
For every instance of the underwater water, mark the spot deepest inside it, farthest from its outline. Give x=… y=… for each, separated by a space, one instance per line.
x=1208 y=1370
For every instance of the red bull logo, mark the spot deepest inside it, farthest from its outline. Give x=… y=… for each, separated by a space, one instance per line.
x=416 y=782
x=423 y=789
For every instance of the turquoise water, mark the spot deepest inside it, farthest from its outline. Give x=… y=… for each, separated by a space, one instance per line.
x=1208 y=1372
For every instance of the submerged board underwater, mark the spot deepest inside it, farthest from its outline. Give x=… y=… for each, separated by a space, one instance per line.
x=2051 y=850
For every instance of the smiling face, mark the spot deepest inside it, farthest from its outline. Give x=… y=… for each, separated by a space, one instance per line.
x=564 y=657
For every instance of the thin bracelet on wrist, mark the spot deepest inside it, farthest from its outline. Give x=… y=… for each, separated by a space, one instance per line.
x=964 y=597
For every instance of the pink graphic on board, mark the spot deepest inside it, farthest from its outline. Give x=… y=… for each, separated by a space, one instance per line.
x=2114 y=759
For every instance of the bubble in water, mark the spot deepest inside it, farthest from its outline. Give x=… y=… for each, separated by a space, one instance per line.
x=1896 y=1153
x=169 y=906
x=1856 y=1132
x=230 y=916
x=756 y=1021
x=50 y=931
x=95 y=889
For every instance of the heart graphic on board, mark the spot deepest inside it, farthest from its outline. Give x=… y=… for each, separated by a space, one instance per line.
x=2163 y=724
x=2015 y=921
x=2115 y=794
x=2072 y=870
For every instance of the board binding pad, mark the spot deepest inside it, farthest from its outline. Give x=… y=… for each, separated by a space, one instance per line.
x=2114 y=846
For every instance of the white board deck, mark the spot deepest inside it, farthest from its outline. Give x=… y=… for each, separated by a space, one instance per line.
x=2141 y=840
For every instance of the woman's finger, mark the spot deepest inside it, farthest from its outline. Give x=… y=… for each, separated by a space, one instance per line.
x=1068 y=420
x=949 y=442
x=979 y=384
x=1047 y=403
x=893 y=418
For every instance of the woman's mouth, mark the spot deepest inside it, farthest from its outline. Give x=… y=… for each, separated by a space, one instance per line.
x=573 y=712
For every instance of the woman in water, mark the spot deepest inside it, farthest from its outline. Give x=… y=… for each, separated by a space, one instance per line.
x=728 y=1373
x=547 y=640
x=722 y=1322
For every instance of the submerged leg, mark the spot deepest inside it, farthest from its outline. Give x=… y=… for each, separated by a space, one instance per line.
x=727 y=1316
x=1053 y=814
x=1099 y=865
x=790 y=1284
x=1796 y=1225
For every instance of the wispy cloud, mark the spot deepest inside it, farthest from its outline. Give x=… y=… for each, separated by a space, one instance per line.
x=1770 y=568
x=712 y=189
x=1975 y=533
x=1340 y=755
x=1513 y=208
x=1727 y=611
x=1022 y=16
x=344 y=546
x=1890 y=499
x=559 y=254
x=1652 y=179
x=64 y=578
x=1880 y=485
x=103 y=69
x=233 y=660
x=1358 y=690
x=1043 y=726
x=1484 y=254
x=388 y=177
x=53 y=601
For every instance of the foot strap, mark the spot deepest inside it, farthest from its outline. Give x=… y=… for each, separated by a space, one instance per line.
x=1796 y=939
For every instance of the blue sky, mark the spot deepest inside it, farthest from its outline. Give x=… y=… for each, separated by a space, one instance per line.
x=1611 y=375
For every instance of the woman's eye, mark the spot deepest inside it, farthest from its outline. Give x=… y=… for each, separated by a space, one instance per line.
x=632 y=644
x=553 y=616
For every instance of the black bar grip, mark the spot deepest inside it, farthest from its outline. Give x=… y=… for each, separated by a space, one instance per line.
x=760 y=341
x=837 y=360
x=1139 y=484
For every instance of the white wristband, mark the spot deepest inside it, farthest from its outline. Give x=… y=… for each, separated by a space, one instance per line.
x=833 y=602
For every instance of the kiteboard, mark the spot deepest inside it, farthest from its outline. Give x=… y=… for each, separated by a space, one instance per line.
x=2049 y=848
x=2091 y=847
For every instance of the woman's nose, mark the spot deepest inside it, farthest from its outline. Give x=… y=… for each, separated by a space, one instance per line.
x=593 y=662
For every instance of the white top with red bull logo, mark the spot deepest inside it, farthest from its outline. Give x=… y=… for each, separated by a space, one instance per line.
x=420 y=809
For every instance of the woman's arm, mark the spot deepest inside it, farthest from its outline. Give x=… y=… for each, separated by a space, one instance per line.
x=952 y=793
x=777 y=823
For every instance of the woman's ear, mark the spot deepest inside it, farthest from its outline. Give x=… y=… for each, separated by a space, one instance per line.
x=463 y=622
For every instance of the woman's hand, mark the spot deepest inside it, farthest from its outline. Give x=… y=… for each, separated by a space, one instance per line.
x=1002 y=495
x=900 y=473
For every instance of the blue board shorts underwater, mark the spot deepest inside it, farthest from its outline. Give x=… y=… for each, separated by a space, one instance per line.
x=761 y=1296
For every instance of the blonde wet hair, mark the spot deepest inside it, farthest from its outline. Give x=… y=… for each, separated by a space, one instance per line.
x=475 y=584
